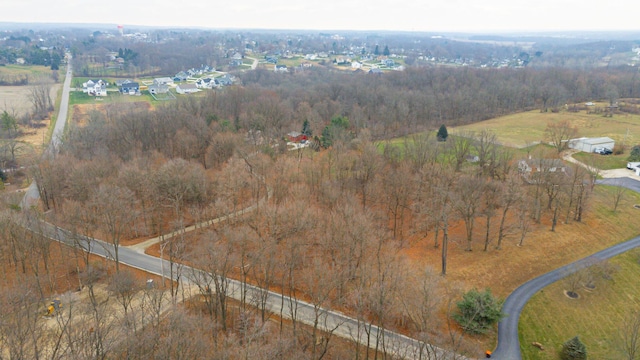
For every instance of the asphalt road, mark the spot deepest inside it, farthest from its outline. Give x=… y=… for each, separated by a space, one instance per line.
x=396 y=345
x=508 y=342
x=31 y=195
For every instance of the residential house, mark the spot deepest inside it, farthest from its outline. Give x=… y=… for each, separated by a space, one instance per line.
x=130 y=88
x=280 y=68
x=540 y=170
x=356 y=65
x=236 y=56
x=590 y=144
x=158 y=89
x=206 y=83
x=163 y=81
x=120 y=82
x=186 y=88
x=181 y=76
x=376 y=71
x=388 y=62
x=95 y=87
x=224 y=80
x=297 y=137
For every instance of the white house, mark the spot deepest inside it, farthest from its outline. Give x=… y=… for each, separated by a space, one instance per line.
x=163 y=81
x=186 y=88
x=590 y=144
x=95 y=88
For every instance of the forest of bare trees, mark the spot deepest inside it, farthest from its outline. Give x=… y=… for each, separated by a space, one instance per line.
x=330 y=226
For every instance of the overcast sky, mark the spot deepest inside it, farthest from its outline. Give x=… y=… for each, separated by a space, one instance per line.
x=411 y=15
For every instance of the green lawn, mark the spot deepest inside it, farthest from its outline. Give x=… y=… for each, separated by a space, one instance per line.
x=604 y=162
x=524 y=128
x=78 y=97
x=551 y=318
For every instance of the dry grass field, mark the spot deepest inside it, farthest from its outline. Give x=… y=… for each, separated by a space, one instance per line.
x=522 y=129
x=15 y=99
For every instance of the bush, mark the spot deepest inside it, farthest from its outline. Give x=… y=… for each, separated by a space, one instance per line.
x=574 y=349
x=635 y=153
x=478 y=311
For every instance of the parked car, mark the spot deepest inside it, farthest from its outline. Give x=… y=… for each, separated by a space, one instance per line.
x=632 y=165
x=603 y=151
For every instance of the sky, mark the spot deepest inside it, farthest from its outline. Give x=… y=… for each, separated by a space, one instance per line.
x=407 y=15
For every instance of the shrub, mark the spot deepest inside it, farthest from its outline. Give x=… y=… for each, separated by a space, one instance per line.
x=635 y=153
x=478 y=311
x=574 y=349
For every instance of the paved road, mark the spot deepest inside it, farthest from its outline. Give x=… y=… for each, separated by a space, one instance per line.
x=31 y=194
x=508 y=342
x=395 y=344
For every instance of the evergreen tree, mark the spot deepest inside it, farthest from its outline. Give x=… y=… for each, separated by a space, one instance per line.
x=478 y=311
x=376 y=51
x=386 y=51
x=574 y=349
x=443 y=133
x=306 y=128
x=635 y=153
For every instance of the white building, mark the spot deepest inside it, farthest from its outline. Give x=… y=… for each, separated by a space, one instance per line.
x=590 y=144
x=186 y=88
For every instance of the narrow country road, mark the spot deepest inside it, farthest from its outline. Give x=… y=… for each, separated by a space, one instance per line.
x=394 y=344
x=508 y=341
x=31 y=194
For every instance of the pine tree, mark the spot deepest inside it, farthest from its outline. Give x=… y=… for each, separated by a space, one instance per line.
x=306 y=129
x=574 y=349
x=443 y=133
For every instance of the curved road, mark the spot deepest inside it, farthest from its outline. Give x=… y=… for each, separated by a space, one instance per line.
x=508 y=342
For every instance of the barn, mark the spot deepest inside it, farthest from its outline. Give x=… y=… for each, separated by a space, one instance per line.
x=590 y=144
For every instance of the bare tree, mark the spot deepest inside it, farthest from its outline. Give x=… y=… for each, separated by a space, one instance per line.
x=460 y=146
x=115 y=207
x=40 y=96
x=559 y=134
x=468 y=193
x=629 y=335
x=618 y=194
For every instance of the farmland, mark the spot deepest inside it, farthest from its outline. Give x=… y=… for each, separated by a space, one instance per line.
x=525 y=128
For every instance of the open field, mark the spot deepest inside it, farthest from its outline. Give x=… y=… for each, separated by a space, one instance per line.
x=21 y=70
x=521 y=129
x=15 y=98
